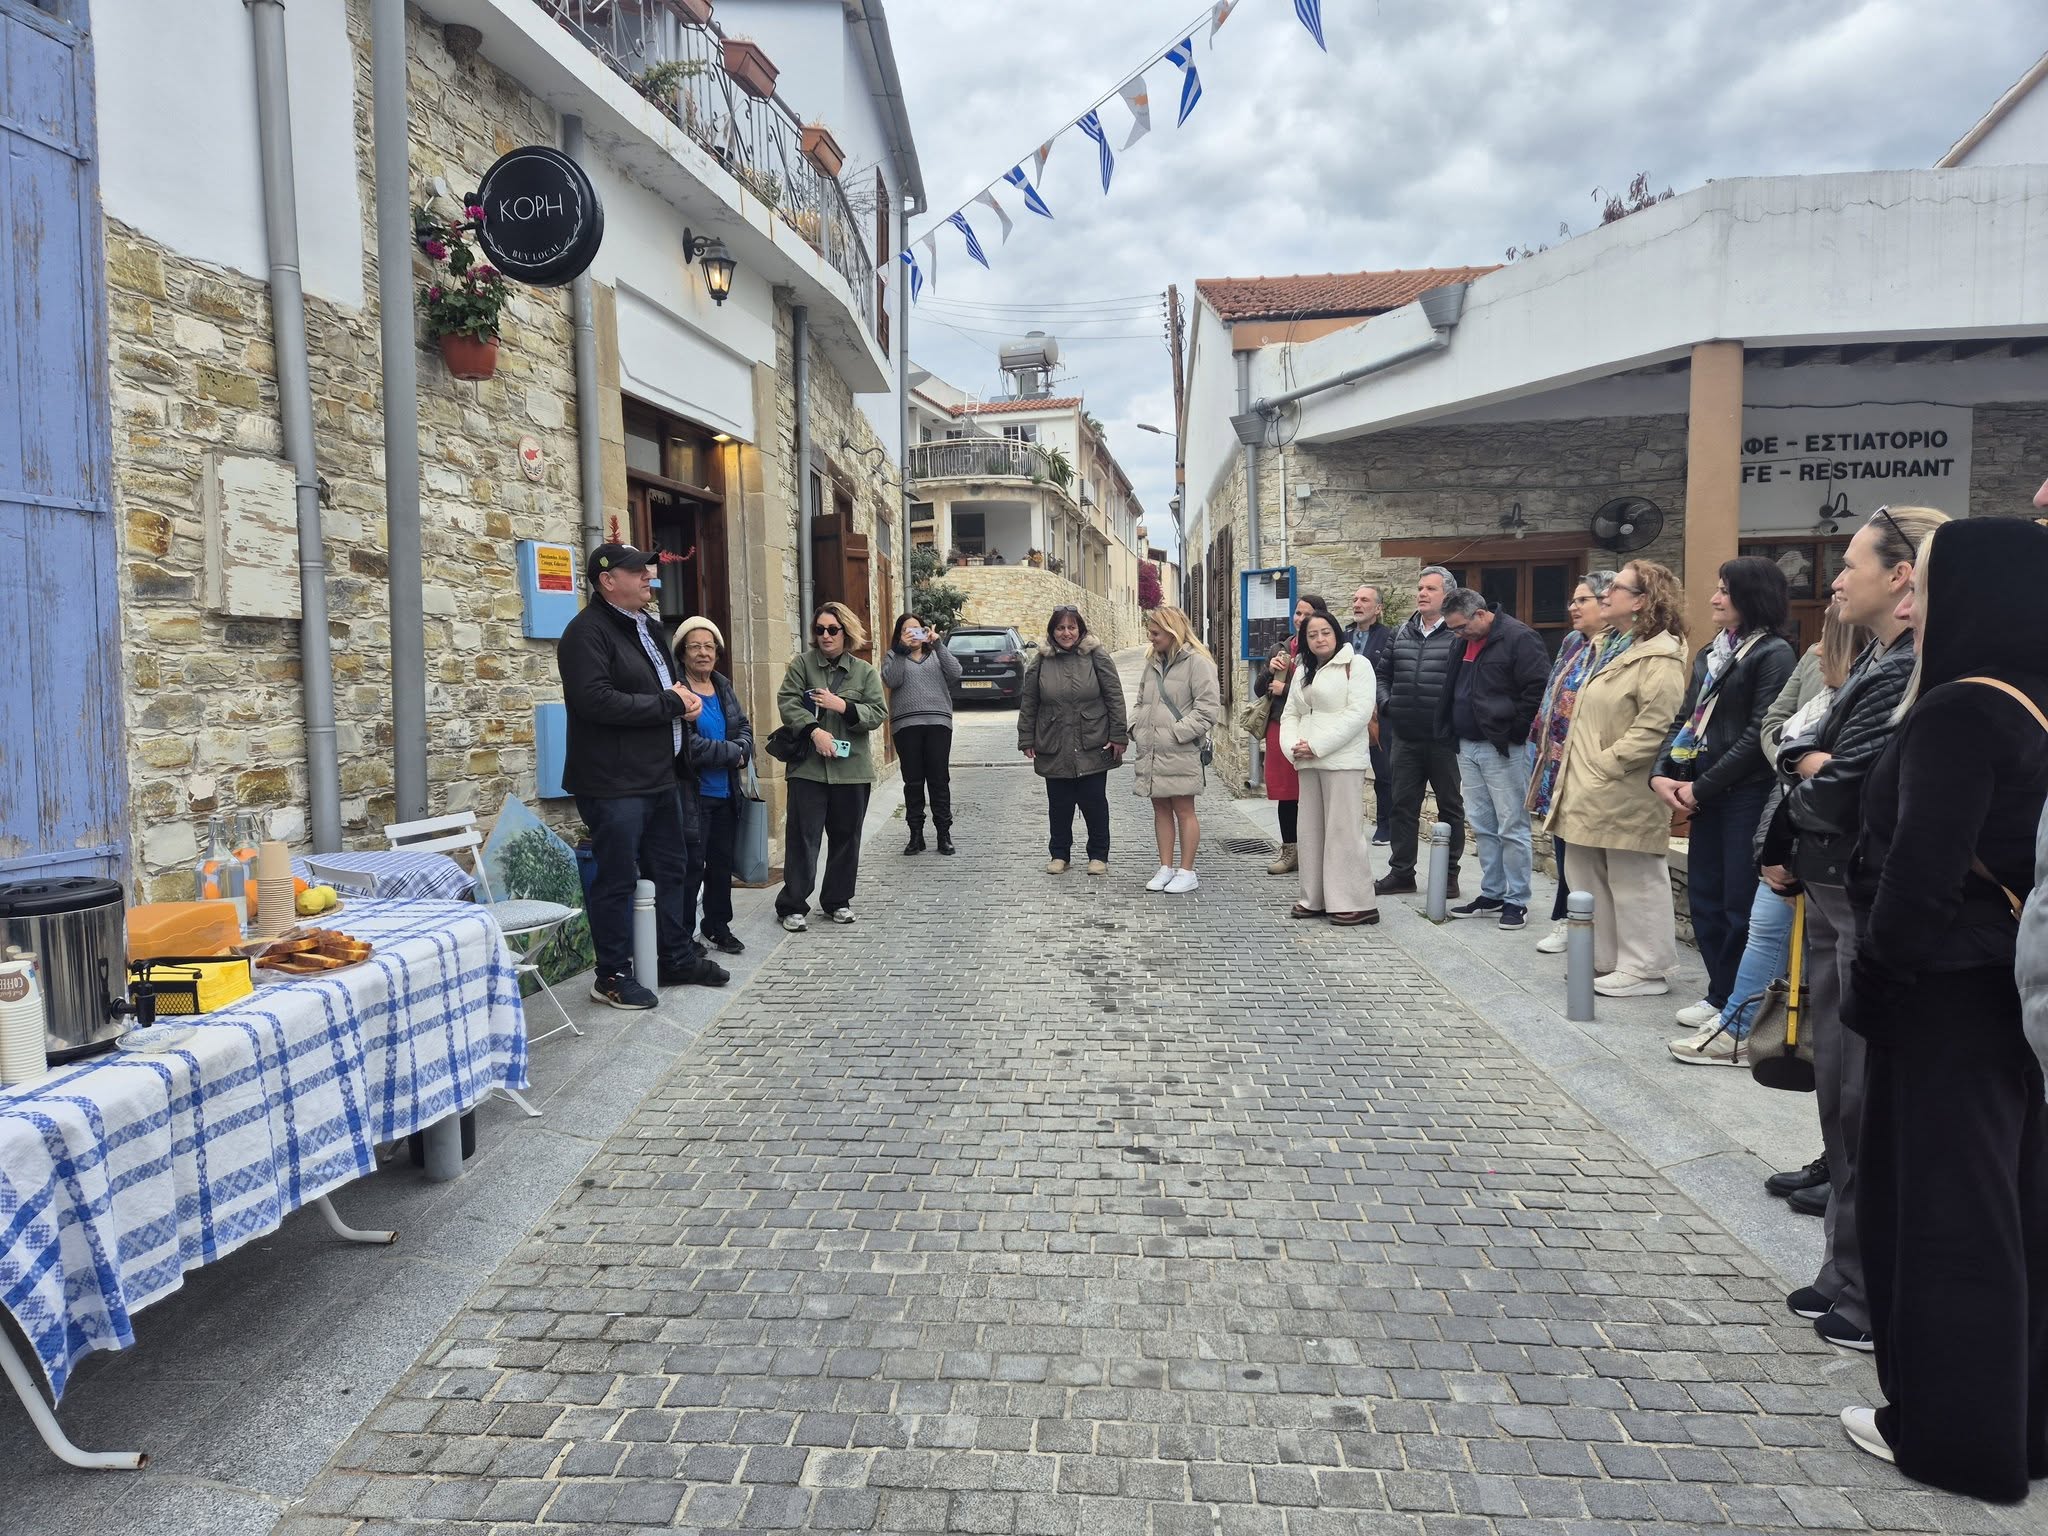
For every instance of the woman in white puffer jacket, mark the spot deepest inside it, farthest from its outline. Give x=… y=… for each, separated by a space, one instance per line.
x=1326 y=731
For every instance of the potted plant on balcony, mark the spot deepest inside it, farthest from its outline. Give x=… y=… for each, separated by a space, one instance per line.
x=461 y=302
x=822 y=150
x=1059 y=467
x=1034 y=557
x=1055 y=564
x=659 y=83
x=750 y=68
x=696 y=13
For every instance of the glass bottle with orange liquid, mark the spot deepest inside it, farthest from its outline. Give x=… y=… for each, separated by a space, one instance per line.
x=222 y=876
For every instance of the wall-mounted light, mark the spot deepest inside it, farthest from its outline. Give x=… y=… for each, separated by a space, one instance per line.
x=717 y=261
x=1513 y=521
x=1833 y=512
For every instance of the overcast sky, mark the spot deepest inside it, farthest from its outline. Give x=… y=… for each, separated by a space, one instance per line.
x=1432 y=134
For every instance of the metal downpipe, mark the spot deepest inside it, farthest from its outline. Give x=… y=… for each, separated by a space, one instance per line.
x=1253 y=558
x=295 y=404
x=800 y=368
x=401 y=407
x=589 y=449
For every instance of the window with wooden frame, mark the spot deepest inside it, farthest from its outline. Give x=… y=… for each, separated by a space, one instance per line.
x=675 y=496
x=1810 y=561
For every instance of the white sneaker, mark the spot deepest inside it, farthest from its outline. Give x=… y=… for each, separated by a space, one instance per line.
x=1699 y=1015
x=1861 y=1425
x=1719 y=1049
x=1556 y=941
x=1183 y=881
x=793 y=922
x=1621 y=984
x=1158 y=881
x=842 y=915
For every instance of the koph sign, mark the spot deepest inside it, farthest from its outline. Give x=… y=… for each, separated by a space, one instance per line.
x=542 y=218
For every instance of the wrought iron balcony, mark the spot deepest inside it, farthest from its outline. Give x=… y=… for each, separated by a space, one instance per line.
x=980 y=458
x=679 y=65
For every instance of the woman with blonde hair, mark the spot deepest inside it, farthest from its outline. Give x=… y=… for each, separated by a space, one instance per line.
x=831 y=703
x=1616 y=831
x=1179 y=703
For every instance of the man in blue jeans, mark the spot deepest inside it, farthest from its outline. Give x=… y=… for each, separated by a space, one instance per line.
x=1495 y=693
x=629 y=714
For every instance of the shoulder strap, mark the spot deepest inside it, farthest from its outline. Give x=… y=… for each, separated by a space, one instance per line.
x=1977 y=865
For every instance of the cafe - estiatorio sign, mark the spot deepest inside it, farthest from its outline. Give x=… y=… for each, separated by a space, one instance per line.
x=542 y=222
x=1795 y=458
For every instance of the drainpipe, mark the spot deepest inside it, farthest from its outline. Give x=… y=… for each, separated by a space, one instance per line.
x=589 y=450
x=295 y=401
x=800 y=367
x=1251 y=465
x=401 y=408
x=902 y=289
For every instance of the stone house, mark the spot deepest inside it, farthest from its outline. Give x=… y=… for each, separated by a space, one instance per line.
x=197 y=691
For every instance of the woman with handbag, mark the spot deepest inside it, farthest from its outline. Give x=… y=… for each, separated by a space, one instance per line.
x=1070 y=723
x=920 y=674
x=831 y=705
x=714 y=756
x=1326 y=729
x=1711 y=770
x=1261 y=717
x=1952 y=1194
x=1574 y=664
x=1616 y=834
x=1179 y=703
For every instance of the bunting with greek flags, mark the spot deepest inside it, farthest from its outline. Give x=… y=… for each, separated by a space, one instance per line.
x=1183 y=54
x=1218 y=16
x=931 y=259
x=1140 y=105
x=988 y=200
x=916 y=277
x=959 y=222
x=1311 y=14
x=1016 y=178
x=1092 y=126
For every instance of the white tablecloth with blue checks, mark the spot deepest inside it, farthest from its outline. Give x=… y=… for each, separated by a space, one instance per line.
x=402 y=874
x=119 y=1174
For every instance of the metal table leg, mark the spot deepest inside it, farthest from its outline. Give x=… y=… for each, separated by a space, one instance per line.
x=30 y=1392
x=342 y=1229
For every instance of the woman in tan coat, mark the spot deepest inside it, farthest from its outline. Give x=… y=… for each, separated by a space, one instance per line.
x=1179 y=704
x=1615 y=829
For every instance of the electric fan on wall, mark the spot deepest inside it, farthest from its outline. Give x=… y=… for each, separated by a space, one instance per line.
x=1627 y=523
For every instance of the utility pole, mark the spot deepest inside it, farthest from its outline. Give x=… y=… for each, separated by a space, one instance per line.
x=1174 y=338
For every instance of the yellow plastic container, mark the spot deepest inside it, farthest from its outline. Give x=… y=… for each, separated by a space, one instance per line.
x=185 y=987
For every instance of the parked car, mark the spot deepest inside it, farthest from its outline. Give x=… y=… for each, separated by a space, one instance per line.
x=991 y=663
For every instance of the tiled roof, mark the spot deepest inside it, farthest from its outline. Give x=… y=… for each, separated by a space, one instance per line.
x=1324 y=295
x=999 y=407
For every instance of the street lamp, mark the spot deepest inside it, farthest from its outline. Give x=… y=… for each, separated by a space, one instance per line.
x=717 y=260
x=1146 y=426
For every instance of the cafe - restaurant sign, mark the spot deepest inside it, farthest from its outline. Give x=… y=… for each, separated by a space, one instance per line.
x=542 y=222
x=1853 y=458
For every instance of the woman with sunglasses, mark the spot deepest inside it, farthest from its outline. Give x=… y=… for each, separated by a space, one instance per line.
x=836 y=699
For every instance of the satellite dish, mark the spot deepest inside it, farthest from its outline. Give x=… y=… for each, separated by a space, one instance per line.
x=1627 y=523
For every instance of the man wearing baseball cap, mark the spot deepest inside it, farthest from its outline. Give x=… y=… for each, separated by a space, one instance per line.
x=628 y=715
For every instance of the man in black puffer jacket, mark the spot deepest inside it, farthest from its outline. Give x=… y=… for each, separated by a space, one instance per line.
x=629 y=715
x=1415 y=704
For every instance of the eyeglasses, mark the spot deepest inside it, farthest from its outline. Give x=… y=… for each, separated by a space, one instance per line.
x=1622 y=586
x=827 y=629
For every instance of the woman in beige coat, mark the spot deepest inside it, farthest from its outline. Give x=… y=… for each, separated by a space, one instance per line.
x=1179 y=704
x=1615 y=829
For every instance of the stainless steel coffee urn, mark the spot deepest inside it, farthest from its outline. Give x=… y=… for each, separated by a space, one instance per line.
x=76 y=927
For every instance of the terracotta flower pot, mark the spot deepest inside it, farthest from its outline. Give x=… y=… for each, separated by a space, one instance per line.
x=468 y=358
x=696 y=12
x=822 y=150
x=750 y=67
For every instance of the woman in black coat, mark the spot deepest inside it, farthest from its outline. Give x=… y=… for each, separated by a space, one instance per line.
x=1952 y=1193
x=1713 y=770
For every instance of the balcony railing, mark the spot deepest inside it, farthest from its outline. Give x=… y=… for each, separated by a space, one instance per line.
x=650 y=43
x=978 y=458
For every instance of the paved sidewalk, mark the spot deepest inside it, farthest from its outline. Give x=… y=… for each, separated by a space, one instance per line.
x=1035 y=1204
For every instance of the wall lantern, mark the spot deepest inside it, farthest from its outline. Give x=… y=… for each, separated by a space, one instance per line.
x=1512 y=521
x=717 y=260
x=1833 y=513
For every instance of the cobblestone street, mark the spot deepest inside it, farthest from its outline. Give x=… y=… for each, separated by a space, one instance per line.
x=1037 y=1204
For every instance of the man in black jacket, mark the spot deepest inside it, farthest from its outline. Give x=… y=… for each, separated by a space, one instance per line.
x=1369 y=637
x=1415 y=704
x=629 y=715
x=1495 y=694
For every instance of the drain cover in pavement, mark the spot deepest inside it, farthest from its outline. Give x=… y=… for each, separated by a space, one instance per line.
x=1248 y=845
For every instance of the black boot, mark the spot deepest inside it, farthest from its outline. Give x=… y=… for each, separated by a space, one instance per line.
x=916 y=843
x=946 y=837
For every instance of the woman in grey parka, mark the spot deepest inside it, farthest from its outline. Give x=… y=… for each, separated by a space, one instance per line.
x=1070 y=723
x=1179 y=704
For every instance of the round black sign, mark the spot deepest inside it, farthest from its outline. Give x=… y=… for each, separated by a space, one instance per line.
x=542 y=219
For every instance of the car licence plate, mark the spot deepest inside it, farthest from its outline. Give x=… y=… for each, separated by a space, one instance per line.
x=969 y=683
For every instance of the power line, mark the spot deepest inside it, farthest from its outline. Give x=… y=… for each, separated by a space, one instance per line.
x=1120 y=300
x=1035 y=317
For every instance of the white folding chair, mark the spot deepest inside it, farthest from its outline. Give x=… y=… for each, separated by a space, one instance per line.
x=516 y=917
x=353 y=881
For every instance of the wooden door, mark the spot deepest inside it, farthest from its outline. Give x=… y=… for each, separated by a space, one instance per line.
x=840 y=574
x=1538 y=592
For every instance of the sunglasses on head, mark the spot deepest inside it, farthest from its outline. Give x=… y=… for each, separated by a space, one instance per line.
x=1893 y=524
x=827 y=629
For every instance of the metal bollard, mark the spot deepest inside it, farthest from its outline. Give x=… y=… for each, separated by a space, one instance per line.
x=646 y=946
x=1439 y=872
x=1578 y=957
x=442 y=1142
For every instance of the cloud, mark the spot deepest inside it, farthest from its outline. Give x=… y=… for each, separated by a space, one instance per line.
x=1431 y=134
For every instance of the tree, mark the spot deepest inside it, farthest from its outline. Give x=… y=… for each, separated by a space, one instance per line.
x=1635 y=200
x=937 y=601
x=1150 y=594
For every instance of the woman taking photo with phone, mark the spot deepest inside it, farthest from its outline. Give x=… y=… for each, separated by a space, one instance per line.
x=832 y=700
x=920 y=673
x=1179 y=703
x=1070 y=723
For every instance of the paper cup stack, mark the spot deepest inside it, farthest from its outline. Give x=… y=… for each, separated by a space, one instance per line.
x=22 y=1044
x=276 y=898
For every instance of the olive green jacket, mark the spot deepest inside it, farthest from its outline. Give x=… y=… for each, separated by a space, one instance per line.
x=867 y=711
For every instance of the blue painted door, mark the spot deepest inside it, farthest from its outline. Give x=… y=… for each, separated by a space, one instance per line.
x=62 y=784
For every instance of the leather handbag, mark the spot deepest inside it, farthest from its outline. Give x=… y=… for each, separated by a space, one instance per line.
x=1255 y=714
x=750 y=832
x=1780 y=1046
x=787 y=744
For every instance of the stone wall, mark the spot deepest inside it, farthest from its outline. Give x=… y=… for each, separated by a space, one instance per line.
x=1025 y=596
x=2007 y=462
